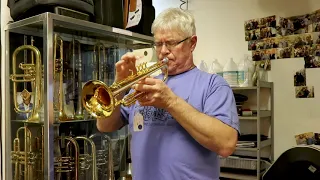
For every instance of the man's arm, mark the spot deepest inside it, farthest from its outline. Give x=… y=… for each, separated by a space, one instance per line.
x=210 y=132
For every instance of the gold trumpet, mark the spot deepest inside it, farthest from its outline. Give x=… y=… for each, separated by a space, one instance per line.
x=33 y=74
x=68 y=164
x=23 y=157
x=58 y=78
x=100 y=100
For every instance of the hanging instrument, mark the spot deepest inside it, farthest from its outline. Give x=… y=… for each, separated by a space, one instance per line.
x=88 y=160
x=33 y=73
x=25 y=159
x=100 y=100
x=58 y=78
x=99 y=63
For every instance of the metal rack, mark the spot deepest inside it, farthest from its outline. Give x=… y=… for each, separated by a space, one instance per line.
x=255 y=163
x=45 y=26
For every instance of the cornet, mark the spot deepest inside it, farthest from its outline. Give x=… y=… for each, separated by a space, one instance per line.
x=100 y=100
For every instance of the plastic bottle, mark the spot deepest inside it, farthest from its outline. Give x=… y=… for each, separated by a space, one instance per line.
x=203 y=66
x=216 y=68
x=230 y=73
x=245 y=70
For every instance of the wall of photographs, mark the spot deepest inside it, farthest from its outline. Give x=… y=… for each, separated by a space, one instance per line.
x=273 y=37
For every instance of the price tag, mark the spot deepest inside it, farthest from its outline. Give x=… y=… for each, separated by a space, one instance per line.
x=138 y=122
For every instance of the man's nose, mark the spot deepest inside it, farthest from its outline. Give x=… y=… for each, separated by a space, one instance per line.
x=164 y=49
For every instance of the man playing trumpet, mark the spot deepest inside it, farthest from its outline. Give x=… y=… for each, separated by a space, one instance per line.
x=181 y=126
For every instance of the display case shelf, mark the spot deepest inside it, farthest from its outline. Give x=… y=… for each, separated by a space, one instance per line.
x=50 y=132
x=81 y=28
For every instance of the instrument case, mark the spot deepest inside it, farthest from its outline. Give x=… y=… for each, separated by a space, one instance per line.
x=21 y=9
x=109 y=12
x=147 y=17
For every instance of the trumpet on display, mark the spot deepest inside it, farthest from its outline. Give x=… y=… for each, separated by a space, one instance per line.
x=100 y=100
x=32 y=73
x=26 y=160
x=68 y=163
x=58 y=78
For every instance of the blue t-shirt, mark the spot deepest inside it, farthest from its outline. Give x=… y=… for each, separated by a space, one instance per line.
x=164 y=150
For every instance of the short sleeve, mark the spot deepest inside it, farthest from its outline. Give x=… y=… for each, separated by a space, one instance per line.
x=220 y=103
x=125 y=111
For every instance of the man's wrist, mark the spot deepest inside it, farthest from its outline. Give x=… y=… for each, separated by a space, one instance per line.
x=172 y=103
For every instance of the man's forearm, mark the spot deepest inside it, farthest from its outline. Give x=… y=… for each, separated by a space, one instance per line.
x=208 y=131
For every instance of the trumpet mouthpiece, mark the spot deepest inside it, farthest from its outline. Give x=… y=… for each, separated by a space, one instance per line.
x=165 y=60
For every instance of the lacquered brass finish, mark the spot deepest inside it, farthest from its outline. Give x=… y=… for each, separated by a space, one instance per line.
x=33 y=73
x=58 y=78
x=100 y=100
x=70 y=162
x=26 y=160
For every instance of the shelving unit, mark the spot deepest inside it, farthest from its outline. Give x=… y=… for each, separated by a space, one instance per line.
x=255 y=92
x=45 y=26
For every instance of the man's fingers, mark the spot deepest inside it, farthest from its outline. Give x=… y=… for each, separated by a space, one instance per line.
x=143 y=87
x=148 y=80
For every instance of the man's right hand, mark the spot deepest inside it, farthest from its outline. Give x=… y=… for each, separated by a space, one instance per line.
x=126 y=66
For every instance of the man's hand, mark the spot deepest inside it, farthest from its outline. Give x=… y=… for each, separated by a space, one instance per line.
x=156 y=93
x=126 y=66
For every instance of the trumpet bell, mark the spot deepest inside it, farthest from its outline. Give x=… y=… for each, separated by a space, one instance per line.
x=98 y=99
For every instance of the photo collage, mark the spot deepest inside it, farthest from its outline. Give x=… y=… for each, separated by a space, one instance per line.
x=272 y=38
x=261 y=35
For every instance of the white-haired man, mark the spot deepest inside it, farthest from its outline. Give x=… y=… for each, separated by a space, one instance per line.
x=184 y=123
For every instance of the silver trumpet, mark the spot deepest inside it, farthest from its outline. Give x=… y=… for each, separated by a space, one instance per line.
x=100 y=154
x=88 y=161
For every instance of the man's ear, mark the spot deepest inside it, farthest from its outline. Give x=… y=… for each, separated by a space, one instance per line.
x=193 y=40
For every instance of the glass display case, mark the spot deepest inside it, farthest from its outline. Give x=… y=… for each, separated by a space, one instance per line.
x=49 y=134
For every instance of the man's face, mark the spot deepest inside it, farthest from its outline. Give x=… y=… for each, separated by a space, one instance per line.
x=180 y=55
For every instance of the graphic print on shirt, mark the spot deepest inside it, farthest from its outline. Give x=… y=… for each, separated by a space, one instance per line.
x=155 y=117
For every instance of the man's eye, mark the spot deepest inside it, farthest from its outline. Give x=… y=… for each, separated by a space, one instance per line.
x=170 y=43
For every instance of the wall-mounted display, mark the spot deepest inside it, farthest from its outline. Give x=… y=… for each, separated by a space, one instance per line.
x=273 y=37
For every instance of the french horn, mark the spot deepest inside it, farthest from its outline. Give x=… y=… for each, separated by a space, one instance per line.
x=100 y=100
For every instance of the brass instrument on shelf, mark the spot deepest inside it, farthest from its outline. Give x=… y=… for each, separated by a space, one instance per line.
x=111 y=175
x=88 y=161
x=24 y=159
x=77 y=82
x=33 y=73
x=100 y=100
x=58 y=78
x=70 y=162
x=99 y=72
x=103 y=160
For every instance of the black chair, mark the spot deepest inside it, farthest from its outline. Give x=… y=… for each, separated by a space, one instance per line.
x=300 y=163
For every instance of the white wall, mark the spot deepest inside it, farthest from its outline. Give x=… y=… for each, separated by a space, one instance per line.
x=220 y=30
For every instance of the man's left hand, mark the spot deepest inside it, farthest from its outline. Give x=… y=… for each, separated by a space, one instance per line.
x=156 y=93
